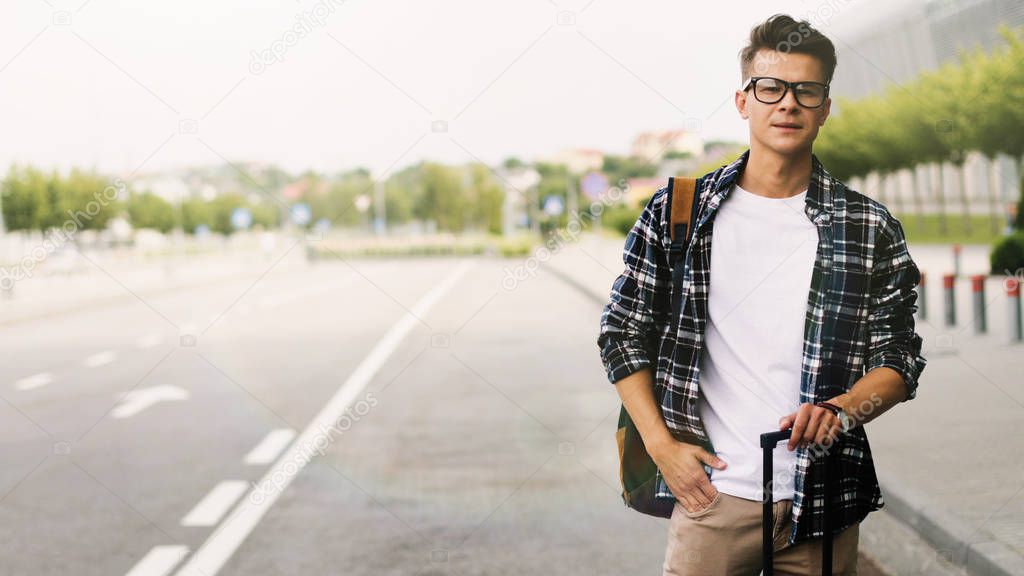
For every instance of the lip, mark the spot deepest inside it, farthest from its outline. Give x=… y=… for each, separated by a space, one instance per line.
x=787 y=127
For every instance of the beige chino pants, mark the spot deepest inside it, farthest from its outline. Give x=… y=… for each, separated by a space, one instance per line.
x=724 y=539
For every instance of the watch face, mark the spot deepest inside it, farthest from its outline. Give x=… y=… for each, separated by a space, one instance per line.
x=844 y=419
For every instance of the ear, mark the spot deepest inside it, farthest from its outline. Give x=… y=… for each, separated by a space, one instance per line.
x=741 y=104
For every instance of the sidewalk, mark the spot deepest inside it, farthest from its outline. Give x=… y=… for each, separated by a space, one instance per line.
x=948 y=461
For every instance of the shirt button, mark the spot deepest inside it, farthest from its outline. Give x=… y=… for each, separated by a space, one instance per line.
x=692 y=400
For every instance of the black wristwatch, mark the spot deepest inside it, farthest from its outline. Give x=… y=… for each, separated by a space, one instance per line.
x=844 y=419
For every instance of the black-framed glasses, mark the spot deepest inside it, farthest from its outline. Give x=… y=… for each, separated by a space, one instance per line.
x=770 y=90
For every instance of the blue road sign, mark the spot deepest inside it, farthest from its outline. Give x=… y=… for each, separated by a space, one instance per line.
x=241 y=218
x=593 y=185
x=301 y=214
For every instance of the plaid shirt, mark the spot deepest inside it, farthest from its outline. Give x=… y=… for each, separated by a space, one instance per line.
x=860 y=316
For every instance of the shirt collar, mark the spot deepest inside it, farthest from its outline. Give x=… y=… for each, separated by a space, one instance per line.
x=818 y=204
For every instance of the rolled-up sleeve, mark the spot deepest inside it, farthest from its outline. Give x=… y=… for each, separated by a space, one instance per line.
x=894 y=343
x=637 y=296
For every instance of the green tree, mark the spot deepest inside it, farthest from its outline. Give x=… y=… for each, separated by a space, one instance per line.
x=266 y=215
x=150 y=211
x=26 y=199
x=220 y=209
x=86 y=199
x=625 y=167
x=486 y=197
x=195 y=212
x=443 y=199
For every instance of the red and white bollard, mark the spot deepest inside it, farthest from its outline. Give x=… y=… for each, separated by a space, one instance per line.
x=1013 y=307
x=978 y=292
x=948 y=281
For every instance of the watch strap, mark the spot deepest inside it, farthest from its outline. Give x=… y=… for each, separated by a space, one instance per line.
x=831 y=407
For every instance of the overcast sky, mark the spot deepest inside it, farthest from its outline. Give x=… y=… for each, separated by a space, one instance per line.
x=144 y=85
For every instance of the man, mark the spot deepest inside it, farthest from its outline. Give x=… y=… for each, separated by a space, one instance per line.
x=807 y=297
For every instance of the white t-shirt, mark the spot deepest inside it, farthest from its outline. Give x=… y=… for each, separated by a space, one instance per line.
x=762 y=260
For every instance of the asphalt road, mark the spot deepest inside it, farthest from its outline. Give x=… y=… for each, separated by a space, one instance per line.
x=169 y=434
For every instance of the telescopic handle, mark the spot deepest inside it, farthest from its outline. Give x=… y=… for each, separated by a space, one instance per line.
x=768 y=442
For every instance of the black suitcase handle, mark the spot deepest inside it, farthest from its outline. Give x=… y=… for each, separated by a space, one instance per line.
x=768 y=442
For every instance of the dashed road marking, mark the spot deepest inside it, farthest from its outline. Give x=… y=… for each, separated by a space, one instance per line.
x=138 y=400
x=34 y=381
x=159 y=561
x=216 y=504
x=218 y=548
x=149 y=341
x=100 y=358
x=270 y=447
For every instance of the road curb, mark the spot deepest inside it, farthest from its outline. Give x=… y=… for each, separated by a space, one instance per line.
x=947 y=535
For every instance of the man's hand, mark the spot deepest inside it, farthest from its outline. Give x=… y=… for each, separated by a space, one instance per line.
x=810 y=423
x=681 y=464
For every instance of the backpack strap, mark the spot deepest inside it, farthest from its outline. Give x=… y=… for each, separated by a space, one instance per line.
x=682 y=195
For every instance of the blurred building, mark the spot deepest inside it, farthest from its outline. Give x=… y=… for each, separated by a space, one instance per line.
x=889 y=43
x=653 y=146
x=519 y=207
x=640 y=190
x=580 y=160
x=894 y=43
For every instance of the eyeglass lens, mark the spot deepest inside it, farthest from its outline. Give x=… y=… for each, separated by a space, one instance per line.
x=771 y=90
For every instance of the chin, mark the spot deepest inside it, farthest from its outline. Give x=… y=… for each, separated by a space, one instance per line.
x=787 y=147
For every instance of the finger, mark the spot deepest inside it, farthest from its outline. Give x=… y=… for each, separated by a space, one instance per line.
x=689 y=503
x=698 y=492
x=705 y=457
x=799 y=425
x=688 y=493
x=707 y=490
x=826 y=430
x=835 y=430
x=814 y=424
x=786 y=422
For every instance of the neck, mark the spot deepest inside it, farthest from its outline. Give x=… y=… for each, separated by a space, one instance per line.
x=774 y=175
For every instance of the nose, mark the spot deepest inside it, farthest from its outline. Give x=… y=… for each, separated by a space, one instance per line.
x=788 y=101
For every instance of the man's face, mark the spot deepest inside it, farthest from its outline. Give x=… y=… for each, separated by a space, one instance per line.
x=766 y=119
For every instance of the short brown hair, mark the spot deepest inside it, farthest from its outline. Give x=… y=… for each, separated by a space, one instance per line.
x=784 y=34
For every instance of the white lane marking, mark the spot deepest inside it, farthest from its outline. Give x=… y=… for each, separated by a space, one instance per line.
x=34 y=381
x=216 y=504
x=270 y=447
x=159 y=561
x=149 y=340
x=138 y=400
x=218 y=548
x=100 y=358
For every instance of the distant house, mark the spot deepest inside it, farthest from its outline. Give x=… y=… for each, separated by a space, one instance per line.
x=653 y=146
x=580 y=160
x=640 y=190
x=294 y=190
